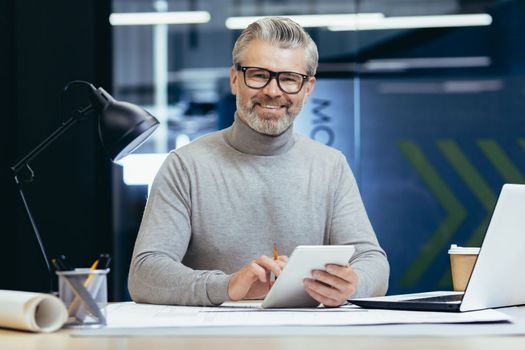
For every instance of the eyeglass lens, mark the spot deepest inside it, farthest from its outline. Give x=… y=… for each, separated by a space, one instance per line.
x=289 y=82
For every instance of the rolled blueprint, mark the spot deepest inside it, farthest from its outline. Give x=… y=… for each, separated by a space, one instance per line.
x=36 y=312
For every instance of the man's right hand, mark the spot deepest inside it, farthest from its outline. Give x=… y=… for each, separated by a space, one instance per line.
x=253 y=280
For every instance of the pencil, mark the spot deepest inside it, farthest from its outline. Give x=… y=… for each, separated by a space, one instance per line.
x=75 y=302
x=90 y=277
x=275 y=258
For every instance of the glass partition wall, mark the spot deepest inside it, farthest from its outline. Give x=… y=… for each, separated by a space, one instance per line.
x=424 y=97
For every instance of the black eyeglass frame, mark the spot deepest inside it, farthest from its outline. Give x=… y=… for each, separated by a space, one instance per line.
x=273 y=74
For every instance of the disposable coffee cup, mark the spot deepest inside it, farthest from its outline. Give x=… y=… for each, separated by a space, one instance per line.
x=462 y=260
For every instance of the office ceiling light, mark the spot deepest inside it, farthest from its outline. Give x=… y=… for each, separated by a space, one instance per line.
x=412 y=22
x=402 y=64
x=309 y=20
x=442 y=87
x=151 y=18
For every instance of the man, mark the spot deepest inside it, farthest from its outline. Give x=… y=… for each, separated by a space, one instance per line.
x=219 y=204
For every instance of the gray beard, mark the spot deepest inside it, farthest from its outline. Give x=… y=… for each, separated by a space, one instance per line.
x=266 y=126
x=270 y=127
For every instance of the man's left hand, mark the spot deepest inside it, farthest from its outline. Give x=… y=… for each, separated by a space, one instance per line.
x=333 y=286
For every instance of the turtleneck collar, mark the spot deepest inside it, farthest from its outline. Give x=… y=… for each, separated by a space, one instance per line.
x=246 y=140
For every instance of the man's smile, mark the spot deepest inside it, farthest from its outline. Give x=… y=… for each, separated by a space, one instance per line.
x=269 y=108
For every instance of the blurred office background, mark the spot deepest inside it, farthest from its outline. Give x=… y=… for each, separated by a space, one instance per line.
x=426 y=98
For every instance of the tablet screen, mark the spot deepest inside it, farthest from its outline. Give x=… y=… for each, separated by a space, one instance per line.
x=288 y=290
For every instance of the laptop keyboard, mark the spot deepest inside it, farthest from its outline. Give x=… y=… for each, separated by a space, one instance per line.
x=438 y=299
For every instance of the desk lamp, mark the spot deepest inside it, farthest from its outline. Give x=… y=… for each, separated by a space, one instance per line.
x=122 y=128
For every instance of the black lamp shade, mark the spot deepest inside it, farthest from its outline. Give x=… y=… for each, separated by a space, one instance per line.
x=122 y=126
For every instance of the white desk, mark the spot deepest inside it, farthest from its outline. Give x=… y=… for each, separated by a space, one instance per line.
x=376 y=338
x=62 y=340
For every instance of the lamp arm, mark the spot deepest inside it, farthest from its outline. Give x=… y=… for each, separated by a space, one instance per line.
x=24 y=164
x=35 y=231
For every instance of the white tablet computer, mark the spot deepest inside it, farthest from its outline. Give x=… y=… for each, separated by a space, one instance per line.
x=288 y=290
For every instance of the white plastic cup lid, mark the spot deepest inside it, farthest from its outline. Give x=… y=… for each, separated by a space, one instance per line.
x=455 y=249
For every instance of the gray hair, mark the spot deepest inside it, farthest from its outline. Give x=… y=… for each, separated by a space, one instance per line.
x=280 y=31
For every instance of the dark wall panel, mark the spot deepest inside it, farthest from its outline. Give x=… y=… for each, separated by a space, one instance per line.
x=51 y=43
x=7 y=213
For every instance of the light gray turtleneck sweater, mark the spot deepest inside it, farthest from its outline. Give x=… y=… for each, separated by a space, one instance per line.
x=226 y=198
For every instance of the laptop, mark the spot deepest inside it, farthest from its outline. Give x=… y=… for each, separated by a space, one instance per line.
x=497 y=279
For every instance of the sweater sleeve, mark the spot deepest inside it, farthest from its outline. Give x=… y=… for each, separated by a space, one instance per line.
x=157 y=274
x=350 y=225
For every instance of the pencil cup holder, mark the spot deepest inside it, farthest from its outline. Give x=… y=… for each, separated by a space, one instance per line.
x=85 y=294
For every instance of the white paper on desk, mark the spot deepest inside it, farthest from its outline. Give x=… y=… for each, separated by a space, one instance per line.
x=36 y=312
x=130 y=315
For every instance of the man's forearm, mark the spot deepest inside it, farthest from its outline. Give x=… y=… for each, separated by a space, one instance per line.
x=158 y=279
x=372 y=270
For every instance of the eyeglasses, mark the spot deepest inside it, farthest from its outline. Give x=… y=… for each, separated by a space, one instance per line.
x=258 y=78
